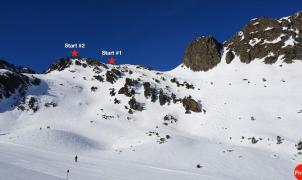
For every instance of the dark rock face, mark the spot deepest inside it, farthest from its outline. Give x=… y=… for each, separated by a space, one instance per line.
x=229 y=57
x=147 y=89
x=95 y=63
x=299 y=146
x=163 y=98
x=99 y=78
x=36 y=81
x=268 y=39
x=262 y=38
x=32 y=104
x=135 y=105
x=11 y=81
x=169 y=119
x=150 y=91
x=202 y=54
x=254 y=140
x=60 y=65
x=25 y=70
x=7 y=66
x=190 y=105
x=113 y=75
x=126 y=89
x=131 y=82
x=50 y=104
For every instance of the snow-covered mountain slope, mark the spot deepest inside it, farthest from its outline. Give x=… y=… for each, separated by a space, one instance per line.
x=128 y=122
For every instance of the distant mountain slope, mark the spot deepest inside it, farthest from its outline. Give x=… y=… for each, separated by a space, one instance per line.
x=130 y=122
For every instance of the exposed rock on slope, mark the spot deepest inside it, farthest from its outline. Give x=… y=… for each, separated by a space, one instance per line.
x=129 y=81
x=7 y=66
x=60 y=65
x=191 y=105
x=268 y=39
x=202 y=54
x=262 y=38
x=12 y=81
x=122 y=113
x=25 y=70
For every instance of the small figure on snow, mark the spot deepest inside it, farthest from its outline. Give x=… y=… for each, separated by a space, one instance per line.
x=76 y=158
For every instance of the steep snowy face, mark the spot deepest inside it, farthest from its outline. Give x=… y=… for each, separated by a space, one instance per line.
x=268 y=39
x=249 y=100
x=78 y=100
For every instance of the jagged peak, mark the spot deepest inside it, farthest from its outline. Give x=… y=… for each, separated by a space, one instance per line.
x=267 y=39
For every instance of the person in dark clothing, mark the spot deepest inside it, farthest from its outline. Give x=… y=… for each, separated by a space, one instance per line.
x=67 y=173
x=76 y=158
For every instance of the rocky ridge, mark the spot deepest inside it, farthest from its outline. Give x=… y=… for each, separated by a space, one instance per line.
x=265 y=39
x=13 y=81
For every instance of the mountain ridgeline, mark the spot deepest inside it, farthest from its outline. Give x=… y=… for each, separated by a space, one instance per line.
x=265 y=39
x=262 y=39
x=225 y=106
x=12 y=80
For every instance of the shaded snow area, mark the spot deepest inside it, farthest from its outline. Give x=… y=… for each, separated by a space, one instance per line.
x=249 y=124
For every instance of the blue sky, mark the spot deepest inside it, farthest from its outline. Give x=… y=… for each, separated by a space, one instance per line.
x=151 y=33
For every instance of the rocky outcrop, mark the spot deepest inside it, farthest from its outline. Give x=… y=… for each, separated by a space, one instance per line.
x=25 y=70
x=299 y=146
x=262 y=38
x=135 y=105
x=113 y=75
x=95 y=63
x=268 y=39
x=202 y=54
x=60 y=65
x=149 y=91
x=7 y=66
x=12 y=81
x=229 y=57
x=191 y=105
x=99 y=78
x=126 y=89
x=163 y=98
x=33 y=104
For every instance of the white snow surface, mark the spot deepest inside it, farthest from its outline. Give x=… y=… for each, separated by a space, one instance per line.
x=278 y=39
x=289 y=42
x=118 y=148
x=4 y=72
x=254 y=41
